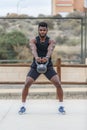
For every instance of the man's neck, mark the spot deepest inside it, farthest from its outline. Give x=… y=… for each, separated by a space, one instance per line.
x=42 y=39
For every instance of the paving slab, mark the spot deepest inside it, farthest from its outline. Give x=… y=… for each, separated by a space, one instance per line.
x=43 y=115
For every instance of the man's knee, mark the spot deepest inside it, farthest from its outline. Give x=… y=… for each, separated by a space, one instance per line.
x=57 y=83
x=29 y=81
x=55 y=80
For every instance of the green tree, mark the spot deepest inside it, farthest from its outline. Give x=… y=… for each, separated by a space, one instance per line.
x=9 y=41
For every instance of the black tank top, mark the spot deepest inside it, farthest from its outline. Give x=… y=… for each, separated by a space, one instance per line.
x=42 y=48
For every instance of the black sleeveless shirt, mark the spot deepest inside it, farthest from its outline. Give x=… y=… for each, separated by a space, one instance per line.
x=42 y=48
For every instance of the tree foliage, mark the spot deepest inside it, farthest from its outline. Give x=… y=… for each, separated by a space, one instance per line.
x=9 y=41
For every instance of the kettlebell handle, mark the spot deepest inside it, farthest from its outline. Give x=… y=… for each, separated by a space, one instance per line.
x=42 y=63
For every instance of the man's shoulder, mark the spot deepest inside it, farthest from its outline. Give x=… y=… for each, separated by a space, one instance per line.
x=33 y=40
x=51 y=41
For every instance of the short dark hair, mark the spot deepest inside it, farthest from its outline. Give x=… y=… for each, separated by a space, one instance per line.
x=43 y=24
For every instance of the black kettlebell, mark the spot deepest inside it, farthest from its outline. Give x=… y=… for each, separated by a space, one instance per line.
x=41 y=68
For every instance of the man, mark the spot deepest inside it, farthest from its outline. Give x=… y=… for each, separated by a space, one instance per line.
x=42 y=47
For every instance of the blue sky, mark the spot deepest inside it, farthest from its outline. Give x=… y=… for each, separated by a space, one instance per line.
x=30 y=7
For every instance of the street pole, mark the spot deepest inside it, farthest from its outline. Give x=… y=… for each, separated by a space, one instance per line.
x=18 y=5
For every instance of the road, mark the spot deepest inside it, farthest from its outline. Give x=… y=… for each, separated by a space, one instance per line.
x=43 y=115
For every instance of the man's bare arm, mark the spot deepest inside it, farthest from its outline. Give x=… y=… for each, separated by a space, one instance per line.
x=50 y=48
x=33 y=48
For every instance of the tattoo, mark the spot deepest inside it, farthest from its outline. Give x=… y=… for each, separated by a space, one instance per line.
x=33 y=48
x=51 y=48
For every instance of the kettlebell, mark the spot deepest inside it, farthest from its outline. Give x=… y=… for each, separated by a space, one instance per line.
x=41 y=68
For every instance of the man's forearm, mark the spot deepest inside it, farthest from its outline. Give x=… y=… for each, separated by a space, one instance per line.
x=34 y=54
x=33 y=50
x=50 y=50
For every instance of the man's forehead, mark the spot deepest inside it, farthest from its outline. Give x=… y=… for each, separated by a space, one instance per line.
x=42 y=27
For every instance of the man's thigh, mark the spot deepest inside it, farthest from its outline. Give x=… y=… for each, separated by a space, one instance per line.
x=50 y=73
x=33 y=74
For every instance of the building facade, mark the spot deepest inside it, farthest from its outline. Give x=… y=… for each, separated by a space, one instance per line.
x=67 y=6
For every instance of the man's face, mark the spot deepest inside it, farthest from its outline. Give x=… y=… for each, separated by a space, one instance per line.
x=42 y=31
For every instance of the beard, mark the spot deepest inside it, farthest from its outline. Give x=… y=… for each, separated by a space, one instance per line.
x=42 y=36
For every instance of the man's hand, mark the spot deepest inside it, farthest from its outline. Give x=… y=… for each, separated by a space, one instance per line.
x=44 y=59
x=41 y=60
x=38 y=59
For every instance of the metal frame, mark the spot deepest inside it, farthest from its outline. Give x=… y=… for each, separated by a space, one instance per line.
x=83 y=53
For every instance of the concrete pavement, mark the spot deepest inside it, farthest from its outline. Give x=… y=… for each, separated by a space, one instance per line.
x=43 y=115
x=43 y=91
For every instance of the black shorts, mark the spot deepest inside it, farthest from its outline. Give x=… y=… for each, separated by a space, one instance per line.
x=49 y=73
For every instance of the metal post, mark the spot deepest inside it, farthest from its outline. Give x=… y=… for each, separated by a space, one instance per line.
x=18 y=5
x=85 y=10
x=85 y=33
x=82 y=55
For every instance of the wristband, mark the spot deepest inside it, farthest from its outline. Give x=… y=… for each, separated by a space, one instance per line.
x=47 y=57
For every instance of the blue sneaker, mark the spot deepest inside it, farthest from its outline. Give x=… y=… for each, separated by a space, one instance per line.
x=61 y=110
x=22 y=110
